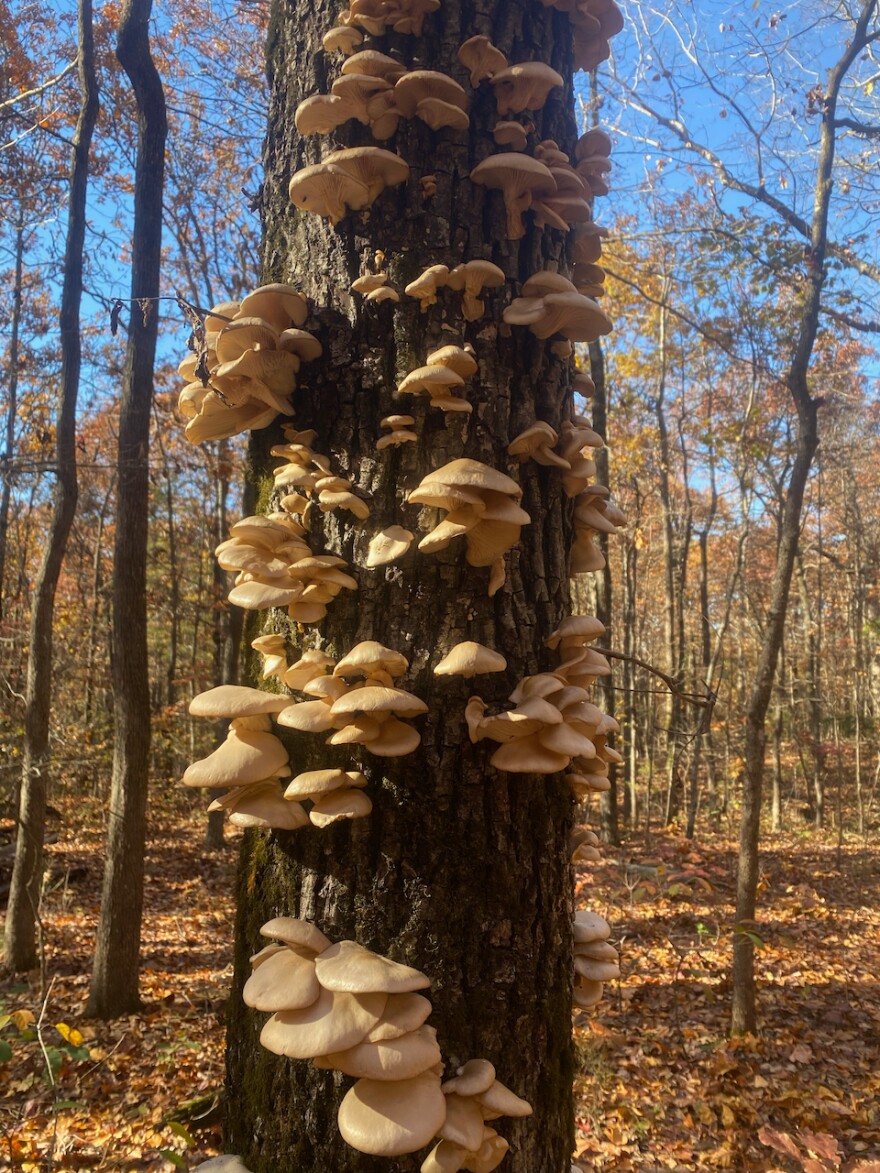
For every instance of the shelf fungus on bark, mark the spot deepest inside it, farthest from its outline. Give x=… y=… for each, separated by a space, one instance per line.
x=593 y=24
x=473 y=1097
x=568 y=205
x=584 y=845
x=334 y=795
x=351 y=1010
x=273 y=649
x=445 y=371
x=521 y=180
x=595 y=960
x=306 y=471
x=245 y=372
x=550 y=304
x=524 y=87
x=370 y=712
x=346 y=180
x=377 y=16
x=249 y=762
x=482 y=505
x=537 y=443
x=511 y=134
x=374 y=287
x=470 y=279
x=397 y=431
x=481 y=58
x=388 y=545
x=470 y=659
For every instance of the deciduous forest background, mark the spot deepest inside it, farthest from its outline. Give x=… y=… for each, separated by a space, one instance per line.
x=714 y=116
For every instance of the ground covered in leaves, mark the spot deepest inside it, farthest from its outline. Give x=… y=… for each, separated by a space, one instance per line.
x=661 y=1087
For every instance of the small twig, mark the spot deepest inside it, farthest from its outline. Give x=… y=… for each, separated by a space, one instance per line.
x=700 y=700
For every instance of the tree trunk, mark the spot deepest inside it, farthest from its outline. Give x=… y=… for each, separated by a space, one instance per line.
x=6 y=464
x=608 y=802
x=460 y=869
x=20 y=946
x=114 y=986
x=743 y=1012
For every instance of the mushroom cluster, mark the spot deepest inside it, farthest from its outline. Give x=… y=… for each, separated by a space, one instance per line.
x=592 y=153
x=469 y=278
x=378 y=91
x=355 y=700
x=474 y=1096
x=444 y=372
x=593 y=24
x=244 y=374
x=347 y=180
x=249 y=762
x=595 y=960
x=351 y=1010
x=308 y=472
x=482 y=505
x=374 y=287
x=381 y=16
x=276 y=568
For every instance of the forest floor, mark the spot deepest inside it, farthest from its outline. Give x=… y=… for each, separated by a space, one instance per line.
x=660 y=1087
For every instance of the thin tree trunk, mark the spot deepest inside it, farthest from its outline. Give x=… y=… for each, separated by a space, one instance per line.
x=114 y=986
x=20 y=947
x=94 y=606
x=6 y=463
x=744 y=1010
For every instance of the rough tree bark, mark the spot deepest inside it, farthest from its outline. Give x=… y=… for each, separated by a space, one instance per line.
x=744 y=1010
x=460 y=870
x=114 y=986
x=11 y=408
x=20 y=946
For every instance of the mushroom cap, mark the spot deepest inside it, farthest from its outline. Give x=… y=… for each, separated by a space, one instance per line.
x=524 y=87
x=490 y=1154
x=444 y=1157
x=463 y=474
x=403 y=1013
x=464 y=1122
x=578 y=318
x=261 y=805
x=236 y=700
x=394 y=1059
x=279 y=305
x=375 y=698
x=371 y=166
x=527 y=755
x=340 y=804
x=375 y=64
x=387 y=545
x=595 y=141
x=482 y=58
x=298 y=933
x=284 y=981
x=327 y=191
x=511 y=134
x=334 y=1021
x=395 y=739
x=437 y=114
x=435 y=379
x=589 y=927
x=417 y=85
x=350 y=967
x=520 y=178
x=317 y=782
x=470 y=659
x=456 y=358
x=343 y=39
x=585 y=994
x=391 y=1117
x=472 y=1078
x=245 y=756
x=368 y=657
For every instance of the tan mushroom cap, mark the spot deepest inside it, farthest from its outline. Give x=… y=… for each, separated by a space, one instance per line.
x=369 y=282
x=435 y=379
x=236 y=700
x=511 y=134
x=419 y=84
x=279 y=305
x=244 y=757
x=482 y=58
x=579 y=628
x=301 y=343
x=368 y=657
x=457 y=358
x=464 y=1122
x=327 y=191
x=221 y=315
x=454 y=481
x=520 y=178
x=472 y=1078
x=284 y=981
x=374 y=64
x=470 y=659
x=490 y=1154
x=585 y=994
x=426 y=285
x=387 y=1059
x=524 y=87
x=339 y=805
x=444 y=1157
x=372 y=166
x=389 y=1117
x=537 y=442
x=350 y=967
x=387 y=545
x=589 y=927
x=403 y=1013
x=438 y=114
x=261 y=805
x=334 y=1022
x=297 y=933
x=343 y=39
x=317 y=782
